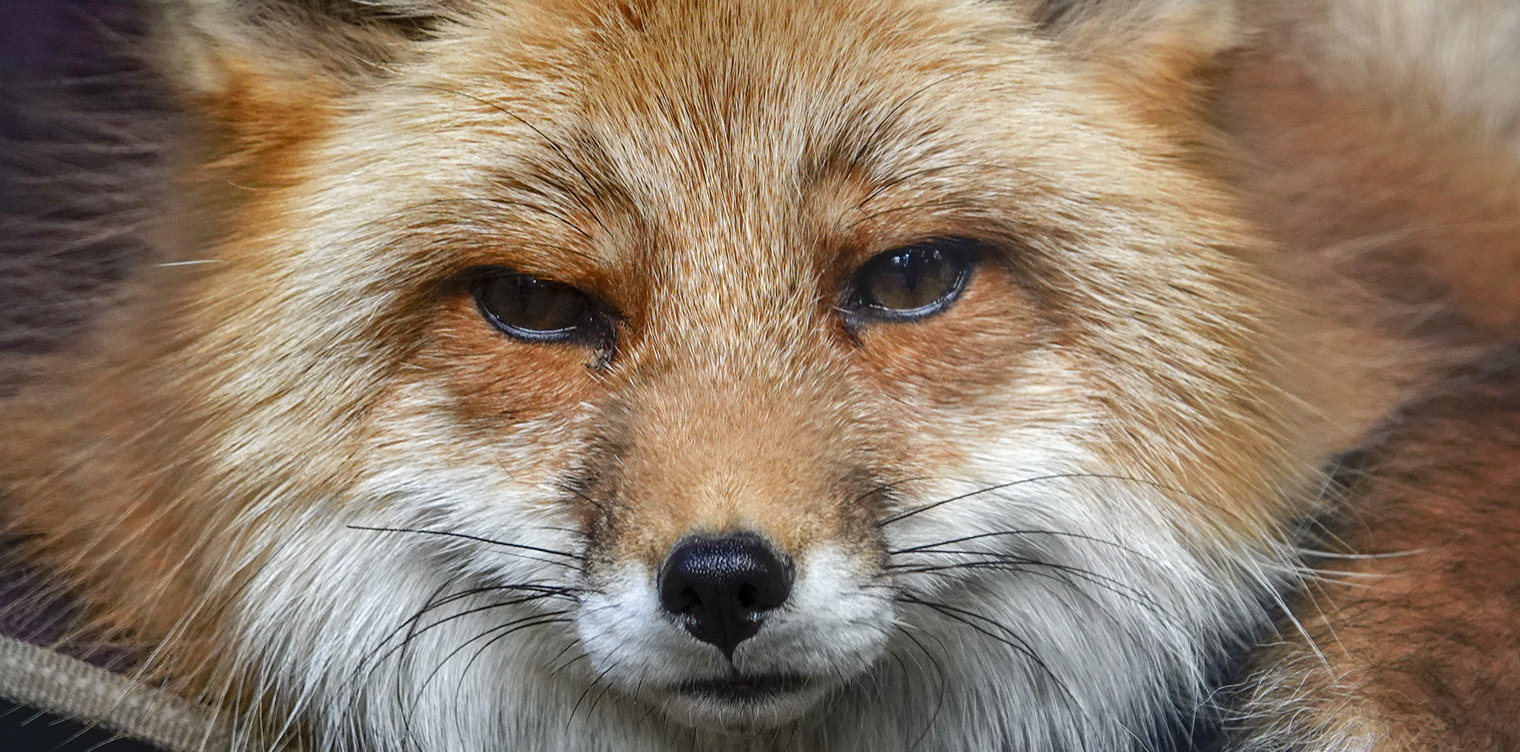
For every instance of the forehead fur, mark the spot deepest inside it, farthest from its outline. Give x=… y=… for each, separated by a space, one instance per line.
x=714 y=169
x=756 y=126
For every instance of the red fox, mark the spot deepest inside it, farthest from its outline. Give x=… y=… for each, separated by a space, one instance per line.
x=839 y=375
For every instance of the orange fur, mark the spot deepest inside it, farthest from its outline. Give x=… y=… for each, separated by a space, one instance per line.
x=1158 y=318
x=1415 y=642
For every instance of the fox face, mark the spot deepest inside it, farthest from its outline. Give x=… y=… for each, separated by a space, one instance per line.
x=843 y=375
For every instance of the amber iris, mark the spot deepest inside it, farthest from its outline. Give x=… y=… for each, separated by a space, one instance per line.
x=536 y=310
x=914 y=282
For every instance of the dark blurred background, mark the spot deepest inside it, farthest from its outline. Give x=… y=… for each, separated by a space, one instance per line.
x=74 y=103
x=44 y=41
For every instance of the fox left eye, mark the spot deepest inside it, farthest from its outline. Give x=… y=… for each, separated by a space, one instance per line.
x=538 y=310
x=914 y=282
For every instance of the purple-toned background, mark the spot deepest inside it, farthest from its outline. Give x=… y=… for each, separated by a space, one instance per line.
x=42 y=40
x=55 y=55
x=70 y=170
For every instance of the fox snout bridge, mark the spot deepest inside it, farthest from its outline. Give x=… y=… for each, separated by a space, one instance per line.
x=721 y=587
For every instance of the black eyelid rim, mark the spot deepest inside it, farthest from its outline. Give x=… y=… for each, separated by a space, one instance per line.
x=600 y=333
x=967 y=251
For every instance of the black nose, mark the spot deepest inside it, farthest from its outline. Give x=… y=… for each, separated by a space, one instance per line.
x=721 y=587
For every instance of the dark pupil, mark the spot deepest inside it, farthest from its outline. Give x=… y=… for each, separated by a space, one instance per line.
x=911 y=279
x=534 y=305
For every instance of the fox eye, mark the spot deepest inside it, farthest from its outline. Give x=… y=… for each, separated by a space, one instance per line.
x=538 y=310
x=914 y=282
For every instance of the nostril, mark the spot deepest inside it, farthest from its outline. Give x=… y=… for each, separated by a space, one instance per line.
x=767 y=593
x=720 y=587
x=747 y=596
x=684 y=601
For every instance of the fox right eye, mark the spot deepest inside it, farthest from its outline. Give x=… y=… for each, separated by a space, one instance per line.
x=912 y=283
x=539 y=310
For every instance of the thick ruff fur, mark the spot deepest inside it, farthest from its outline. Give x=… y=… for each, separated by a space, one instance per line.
x=1408 y=115
x=298 y=465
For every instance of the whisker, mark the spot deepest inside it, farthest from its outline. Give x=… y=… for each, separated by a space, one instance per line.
x=478 y=539
x=1052 y=533
x=417 y=632
x=434 y=602
x=488 y=607
x=582 y=656
x=1000 y=533
x=1037 y=479
x=591 y=709
x=409 y=624
x=508 y=628
x=1032 y=567
x=944 y=682
x=592 y=685
x=1012 y=640
x=583 y=496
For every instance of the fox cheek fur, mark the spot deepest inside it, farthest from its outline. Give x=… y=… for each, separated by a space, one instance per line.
x=370 y=517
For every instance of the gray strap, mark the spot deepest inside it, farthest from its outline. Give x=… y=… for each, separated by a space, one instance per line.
x=69 y=687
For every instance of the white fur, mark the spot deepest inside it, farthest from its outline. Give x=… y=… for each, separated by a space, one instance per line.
x=1131 y=621
x=358 y=632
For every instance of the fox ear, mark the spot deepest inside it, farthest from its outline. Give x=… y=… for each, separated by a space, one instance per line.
x=203 y=46
x=1159 y=50
x=259 y=78
x=1127 y=32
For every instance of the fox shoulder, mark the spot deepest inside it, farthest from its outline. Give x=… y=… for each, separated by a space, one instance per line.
x=1407 y=113
x=1407 y=642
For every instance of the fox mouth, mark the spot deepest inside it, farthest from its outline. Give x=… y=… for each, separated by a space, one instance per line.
x=776 y=674
x=744 y=688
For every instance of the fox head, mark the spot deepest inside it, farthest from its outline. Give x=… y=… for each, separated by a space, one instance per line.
x=668 y=375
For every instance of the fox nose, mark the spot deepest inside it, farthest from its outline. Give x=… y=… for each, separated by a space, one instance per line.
x=720 y=588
